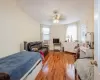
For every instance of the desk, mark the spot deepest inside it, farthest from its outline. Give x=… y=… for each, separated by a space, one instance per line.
x=56 y=44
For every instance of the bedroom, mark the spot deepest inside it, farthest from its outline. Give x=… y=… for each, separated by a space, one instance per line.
x=23 y=21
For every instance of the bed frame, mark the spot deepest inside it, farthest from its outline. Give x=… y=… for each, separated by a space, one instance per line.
x=33 y=72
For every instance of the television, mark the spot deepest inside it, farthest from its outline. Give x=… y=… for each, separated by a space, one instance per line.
x=56 y=40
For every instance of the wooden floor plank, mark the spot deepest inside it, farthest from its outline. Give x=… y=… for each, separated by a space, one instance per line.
x=57 y=66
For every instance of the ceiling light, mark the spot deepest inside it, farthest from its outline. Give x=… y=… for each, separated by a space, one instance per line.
x=56 y=17
x=55 y=21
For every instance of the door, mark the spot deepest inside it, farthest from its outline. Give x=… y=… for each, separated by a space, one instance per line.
x=97 y=39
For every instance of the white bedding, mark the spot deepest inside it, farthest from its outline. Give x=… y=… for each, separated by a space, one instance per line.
x=84 y=69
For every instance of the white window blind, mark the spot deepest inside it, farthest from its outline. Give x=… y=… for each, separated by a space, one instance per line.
x=45 y=33
x=71 y=32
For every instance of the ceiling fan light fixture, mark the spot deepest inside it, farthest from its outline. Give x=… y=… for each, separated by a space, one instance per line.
x=57 y=17
x=55 y=21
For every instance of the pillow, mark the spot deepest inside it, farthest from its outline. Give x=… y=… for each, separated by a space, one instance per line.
x=82 y=54
x=34 y=49
x=87 y=54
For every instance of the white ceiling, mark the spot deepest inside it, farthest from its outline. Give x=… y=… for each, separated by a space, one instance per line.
x=42 y=10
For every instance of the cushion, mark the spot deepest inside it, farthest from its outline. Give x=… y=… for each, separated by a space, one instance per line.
x=34 y=49
x=87 y=54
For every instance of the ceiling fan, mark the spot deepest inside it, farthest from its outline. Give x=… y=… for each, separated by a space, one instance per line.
x=57 y=17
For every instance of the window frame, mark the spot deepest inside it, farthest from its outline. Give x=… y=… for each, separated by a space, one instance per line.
x=69 y=25
x=45 y=26
x=83 y=32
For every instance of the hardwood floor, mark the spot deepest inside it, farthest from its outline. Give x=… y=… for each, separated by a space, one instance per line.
x=57 y=66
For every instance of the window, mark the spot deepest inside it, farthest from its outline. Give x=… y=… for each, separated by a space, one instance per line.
x=71 y=32
x=45 y=33
x=83 y=33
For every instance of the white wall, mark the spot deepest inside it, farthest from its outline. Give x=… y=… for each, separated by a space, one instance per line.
x=88 y=20
x=97 y=39
x=15 y=27
x=57 y=31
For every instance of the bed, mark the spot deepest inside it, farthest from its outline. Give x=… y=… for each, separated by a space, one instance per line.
x=83 y=65
x=85 y=69
x=21 y=65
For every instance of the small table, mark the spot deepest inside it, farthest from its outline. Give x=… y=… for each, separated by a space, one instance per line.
x=56 y=44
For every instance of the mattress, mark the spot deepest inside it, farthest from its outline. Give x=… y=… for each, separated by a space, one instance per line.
x=17 y=65
x=84 y=69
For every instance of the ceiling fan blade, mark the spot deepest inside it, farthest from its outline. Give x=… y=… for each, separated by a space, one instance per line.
x=58 y=16
x=62 y=17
